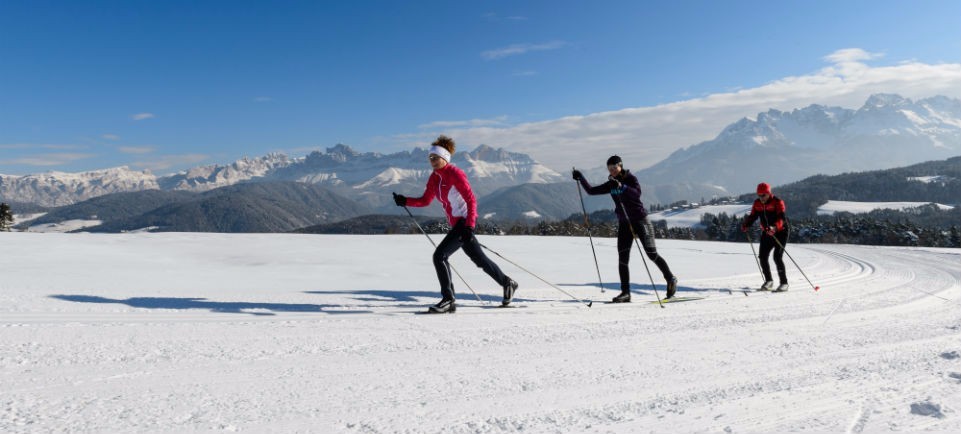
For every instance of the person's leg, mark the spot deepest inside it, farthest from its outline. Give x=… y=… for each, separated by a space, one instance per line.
x=779 y=256
x=645 y=231
x=624 y=244
x=476 y=254
x=764 y=251
x=447 y=246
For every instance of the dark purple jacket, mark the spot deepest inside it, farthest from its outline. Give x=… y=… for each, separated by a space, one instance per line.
x=629 y=195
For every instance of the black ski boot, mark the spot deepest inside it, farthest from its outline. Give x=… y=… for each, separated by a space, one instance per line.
x=445 y=306
x=671 y=287
x=509 y=289
x=624 y=297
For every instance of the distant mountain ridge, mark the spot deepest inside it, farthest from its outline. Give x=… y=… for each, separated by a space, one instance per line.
x=367 y=176
x=779 y=147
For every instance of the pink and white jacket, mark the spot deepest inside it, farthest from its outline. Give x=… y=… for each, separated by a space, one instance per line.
x=450 y=186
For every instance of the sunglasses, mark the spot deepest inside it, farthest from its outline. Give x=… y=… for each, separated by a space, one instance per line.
x=434 y=157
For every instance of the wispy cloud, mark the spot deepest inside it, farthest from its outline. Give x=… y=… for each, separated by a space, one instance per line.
x=263 y=99
x=500 y=120
x=136 y=149
x=495 y=17
x=171 y=161
x=40 y=146
x=646 y=135
x=45 y=160
x=518 y=49
x=142 y=116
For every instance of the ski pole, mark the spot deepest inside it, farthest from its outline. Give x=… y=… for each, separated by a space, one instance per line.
x=435 y=246
x=816 y=288
x=587 y=224
x=644 y=260
x=588 y=303
x=756 y=260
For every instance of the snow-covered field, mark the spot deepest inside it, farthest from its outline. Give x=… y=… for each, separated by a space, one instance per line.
x=298 y=333
x=836 y=206
x=689 y=218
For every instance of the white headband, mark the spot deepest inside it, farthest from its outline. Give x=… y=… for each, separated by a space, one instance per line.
x=437 y=150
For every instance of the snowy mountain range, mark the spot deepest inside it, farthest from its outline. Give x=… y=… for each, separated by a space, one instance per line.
x=776 y=147
x=365 y=177
x=779 y=147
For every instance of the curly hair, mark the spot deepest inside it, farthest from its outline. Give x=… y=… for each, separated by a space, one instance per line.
x=446 y=143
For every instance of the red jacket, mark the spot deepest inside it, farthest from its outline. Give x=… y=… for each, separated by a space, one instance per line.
x=449 y=185
x=771 y=214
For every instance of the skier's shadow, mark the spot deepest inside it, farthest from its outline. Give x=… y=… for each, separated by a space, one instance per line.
x=400 y=296
x=612 y=286
x=645 y=289
x=202 y=303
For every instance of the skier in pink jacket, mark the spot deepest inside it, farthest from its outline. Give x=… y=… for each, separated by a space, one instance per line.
x=449 y=185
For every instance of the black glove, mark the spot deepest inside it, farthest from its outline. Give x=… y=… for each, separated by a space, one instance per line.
x=467 y=234
x=400 y=199
x=616 y=183
x=576 y=174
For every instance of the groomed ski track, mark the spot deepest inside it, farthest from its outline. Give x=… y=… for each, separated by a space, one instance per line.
x=295 y=333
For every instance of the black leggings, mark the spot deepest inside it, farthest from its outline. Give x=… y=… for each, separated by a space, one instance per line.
x=767 y=244
x=625 y=241
x=472 y=248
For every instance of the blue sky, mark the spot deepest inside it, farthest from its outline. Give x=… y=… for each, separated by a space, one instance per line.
x=166 y=85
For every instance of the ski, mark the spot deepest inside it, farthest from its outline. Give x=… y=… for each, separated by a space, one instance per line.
x=676 y=300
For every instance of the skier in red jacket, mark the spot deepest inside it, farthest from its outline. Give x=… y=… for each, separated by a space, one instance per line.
x=449 y=185
x=769 y=209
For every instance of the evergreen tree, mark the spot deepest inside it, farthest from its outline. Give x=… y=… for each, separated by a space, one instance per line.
x=6 y=217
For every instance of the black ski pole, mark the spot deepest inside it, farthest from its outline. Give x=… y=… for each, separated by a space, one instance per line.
x=435 y=246
x=816 y=288
x=588 y=302
x=643 y=259
x=587 y=224
x=756 y=260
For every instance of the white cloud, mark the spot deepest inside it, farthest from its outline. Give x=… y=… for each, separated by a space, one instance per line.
x=646 y=135
x=40 y=146
x=142 y=116
x=472 y=123
x=110 y=137
x=136 y=149
x=848 y=55
x=168 y=161
x=518 y=49
x=52 y=159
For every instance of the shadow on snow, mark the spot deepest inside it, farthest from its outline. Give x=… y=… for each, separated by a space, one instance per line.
x=202 y=303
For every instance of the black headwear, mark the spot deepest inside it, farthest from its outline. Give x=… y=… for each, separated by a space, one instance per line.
x=613 y=160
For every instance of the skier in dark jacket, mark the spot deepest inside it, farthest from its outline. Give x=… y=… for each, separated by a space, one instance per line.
x=448 y=184
x=769 y=209
x=626 y=192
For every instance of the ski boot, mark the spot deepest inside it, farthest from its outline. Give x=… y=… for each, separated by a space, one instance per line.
x=671 y=287
x=624 y=297
x=509 y=289
x=781 y=288
x=445 y=306
x=767 y=286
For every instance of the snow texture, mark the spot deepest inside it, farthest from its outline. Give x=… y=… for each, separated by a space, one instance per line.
x=180 y=332
x=836 y=206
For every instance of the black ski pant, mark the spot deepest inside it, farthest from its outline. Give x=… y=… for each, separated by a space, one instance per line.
x=768 y=244
x=472 y=248
x=625 y=240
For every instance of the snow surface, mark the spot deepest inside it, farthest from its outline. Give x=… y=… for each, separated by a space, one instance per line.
x=180 y=332
x=689 y=218
x=836 y=206
x=64 y=226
